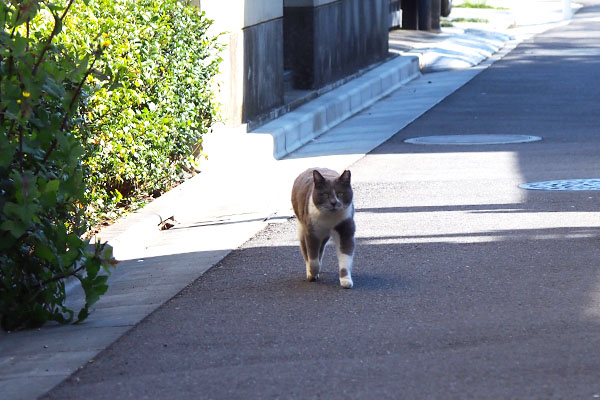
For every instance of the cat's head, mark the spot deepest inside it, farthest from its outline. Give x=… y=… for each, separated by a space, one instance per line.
x=332 y=194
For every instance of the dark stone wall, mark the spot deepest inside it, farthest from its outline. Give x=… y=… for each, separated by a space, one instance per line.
x=298 y=42
x=263 y=68
x=324 y=44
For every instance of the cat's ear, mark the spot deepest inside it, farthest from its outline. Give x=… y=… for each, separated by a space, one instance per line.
x=345 y=178
x=318 y=178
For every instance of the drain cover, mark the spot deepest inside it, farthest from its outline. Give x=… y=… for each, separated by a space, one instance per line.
x=567 y=184
x=473 y=139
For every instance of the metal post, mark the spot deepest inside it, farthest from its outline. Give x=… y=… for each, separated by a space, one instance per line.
x=410 y=18
x=436 y=11
x=424 y=15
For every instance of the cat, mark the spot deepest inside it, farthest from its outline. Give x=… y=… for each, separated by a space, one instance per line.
x=322 y=202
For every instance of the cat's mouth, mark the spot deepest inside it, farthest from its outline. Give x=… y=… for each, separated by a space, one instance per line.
x=333 y=207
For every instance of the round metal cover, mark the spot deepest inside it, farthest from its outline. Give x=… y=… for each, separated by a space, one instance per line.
x=566 y=184
x=470 y=140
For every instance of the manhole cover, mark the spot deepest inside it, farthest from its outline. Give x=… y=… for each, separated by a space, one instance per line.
x=473 y=139
x=566 y=184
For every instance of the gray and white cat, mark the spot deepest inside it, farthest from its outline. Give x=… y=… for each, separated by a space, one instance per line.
x=322 y=201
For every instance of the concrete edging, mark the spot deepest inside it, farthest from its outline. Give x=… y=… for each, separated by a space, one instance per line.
x=296 y=128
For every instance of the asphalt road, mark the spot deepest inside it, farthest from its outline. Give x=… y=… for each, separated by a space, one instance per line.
x=466 y=286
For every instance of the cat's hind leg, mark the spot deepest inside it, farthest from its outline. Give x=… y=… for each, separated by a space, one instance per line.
x=313 y=257
x=302 y=244
x=304 y=247
x=322 y=249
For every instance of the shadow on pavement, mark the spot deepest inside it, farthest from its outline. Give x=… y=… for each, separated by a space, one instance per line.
x=425 y=317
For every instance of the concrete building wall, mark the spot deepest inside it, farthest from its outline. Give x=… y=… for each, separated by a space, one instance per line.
x=327 y=40
x=319 y=41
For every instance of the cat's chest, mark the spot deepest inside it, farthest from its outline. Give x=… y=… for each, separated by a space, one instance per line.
x=322 y=222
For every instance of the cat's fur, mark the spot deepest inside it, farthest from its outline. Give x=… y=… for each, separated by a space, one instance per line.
x=322 y=201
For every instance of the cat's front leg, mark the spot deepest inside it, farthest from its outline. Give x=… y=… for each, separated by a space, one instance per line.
x=346 y=272
x=344 y=238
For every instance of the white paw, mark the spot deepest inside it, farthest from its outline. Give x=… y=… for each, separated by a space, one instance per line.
x=346 y=282
x=312 y=278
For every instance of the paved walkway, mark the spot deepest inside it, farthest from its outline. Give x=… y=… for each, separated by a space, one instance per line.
x=216 y=212
x=466 y=286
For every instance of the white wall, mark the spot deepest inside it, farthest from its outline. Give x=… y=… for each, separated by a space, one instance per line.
x=230 y=15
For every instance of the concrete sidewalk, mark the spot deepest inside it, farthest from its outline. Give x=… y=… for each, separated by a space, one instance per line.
x=244 y=187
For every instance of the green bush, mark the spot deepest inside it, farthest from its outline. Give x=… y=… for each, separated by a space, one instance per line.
x=75 y=145
x=41 y=176
x=143 y=136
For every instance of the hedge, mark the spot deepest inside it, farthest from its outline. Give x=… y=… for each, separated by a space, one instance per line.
x=102 y=103
x=143 y=136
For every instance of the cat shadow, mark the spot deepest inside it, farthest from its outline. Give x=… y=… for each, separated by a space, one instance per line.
x=379 y=283
x=363 y=282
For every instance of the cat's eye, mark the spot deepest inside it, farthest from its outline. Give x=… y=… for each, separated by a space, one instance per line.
x=326 y=195
x=340 y=195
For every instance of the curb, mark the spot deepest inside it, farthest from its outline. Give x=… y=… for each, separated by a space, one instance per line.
x=296 y=128
x=129 y=235
x=463 y=51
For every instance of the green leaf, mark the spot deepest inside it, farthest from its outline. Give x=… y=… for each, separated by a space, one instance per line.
x=54 y=89
x=27 y=10
x=92 y=268
x=92 y=295
x=16 y=228
x=83 y=314
x=11 y=209
x=100 y=282
x=19 y=46
x=45 y=253
x=52 y=186
x=78 y=72
x=7 y=152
